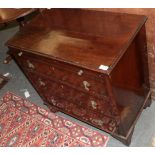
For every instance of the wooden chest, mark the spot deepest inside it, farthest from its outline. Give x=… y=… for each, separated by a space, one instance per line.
x=91 y=65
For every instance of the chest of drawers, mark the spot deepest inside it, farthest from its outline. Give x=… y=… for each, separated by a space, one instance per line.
x=92 y=67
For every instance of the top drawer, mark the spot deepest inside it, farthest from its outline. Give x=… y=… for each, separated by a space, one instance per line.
x=73 y=76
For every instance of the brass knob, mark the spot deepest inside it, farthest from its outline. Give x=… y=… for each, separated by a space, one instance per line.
x=86 y=85
x=53 y=101
x=30 y=65
x=41 y=83
x=97 y=121
x=80 y=72
x=93 y=104
x=20 y=54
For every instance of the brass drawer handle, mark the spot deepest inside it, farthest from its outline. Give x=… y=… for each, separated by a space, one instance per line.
x=80 y=72
x=30 y=65
x=98 y=122
x=41 y=82
x=93 y=104
x=86 y=85
x=53 y=101
x=20 y=54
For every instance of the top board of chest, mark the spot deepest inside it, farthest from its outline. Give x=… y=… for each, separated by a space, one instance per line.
x=88 y=38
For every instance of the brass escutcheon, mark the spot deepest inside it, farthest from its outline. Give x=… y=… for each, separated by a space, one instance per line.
x=30 y=65
x=97 y=121
x=80 y=72
x=93 y=104
x=41 y=83
x=53 y=101
x=86 y=85
x=20 y=54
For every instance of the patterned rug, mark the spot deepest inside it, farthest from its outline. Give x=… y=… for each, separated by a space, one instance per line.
x=23 y=123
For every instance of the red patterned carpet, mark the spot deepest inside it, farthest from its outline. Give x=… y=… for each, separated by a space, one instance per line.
x=22 y=123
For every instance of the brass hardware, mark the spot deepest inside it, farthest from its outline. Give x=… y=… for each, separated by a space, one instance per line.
x=53 y=101
x=30 y=65
x=112 y=124
x=80 y=72
x=41 y=83
x=97 y=121
x=93 y=104
x=86 y=85
x=20 y=54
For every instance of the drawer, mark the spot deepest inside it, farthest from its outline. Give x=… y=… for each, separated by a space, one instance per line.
x=78 y=99
x=83 y=113
x=72 y=76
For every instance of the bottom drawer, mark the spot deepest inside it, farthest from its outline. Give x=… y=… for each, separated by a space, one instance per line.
x=103 y=122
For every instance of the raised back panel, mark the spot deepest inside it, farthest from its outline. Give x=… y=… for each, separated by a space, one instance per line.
x=92 y=22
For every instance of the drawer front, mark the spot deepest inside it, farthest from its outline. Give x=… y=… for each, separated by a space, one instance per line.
x=72 y=76
x=98 y=120
x=83 y=113
x=77 y=104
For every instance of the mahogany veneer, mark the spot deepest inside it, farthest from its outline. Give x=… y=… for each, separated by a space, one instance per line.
x=60 y=52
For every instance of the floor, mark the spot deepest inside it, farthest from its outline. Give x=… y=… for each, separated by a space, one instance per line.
x=144 y=133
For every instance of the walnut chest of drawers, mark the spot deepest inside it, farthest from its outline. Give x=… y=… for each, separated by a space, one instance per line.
x=91 y=65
